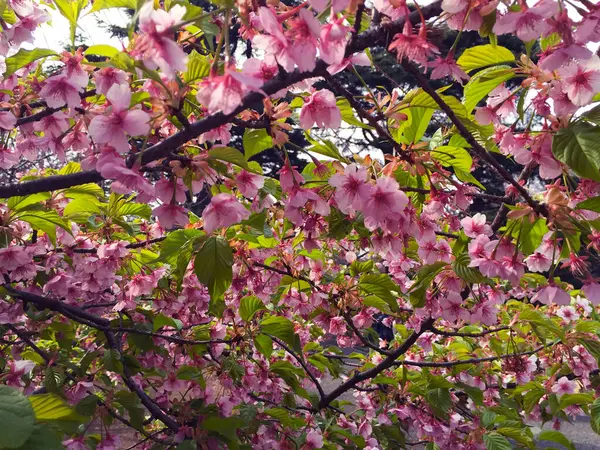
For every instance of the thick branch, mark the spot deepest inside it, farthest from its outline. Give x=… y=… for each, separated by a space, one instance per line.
x=371 y=373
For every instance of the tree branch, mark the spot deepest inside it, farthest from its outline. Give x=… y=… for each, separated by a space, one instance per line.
x=476 y=146
x=385 y=364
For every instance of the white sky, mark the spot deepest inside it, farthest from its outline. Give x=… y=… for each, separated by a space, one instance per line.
x=55 y=35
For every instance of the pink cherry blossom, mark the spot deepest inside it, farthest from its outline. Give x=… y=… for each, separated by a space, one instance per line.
x=114 y=127
x=393 y=8
x=581 y=81
x=334 y=37
x=447 y=67
x=564 y=386
x=249 y=183
x=385 y=200
x=290 y=178
x=568 y=314
x=452 y=309
x=352 y=188
x=304 y=33
x=106 y=77
x=156 y=46
x=7 y=120
x=552 y=294
x=320 y=109
x=223 y=210
x=170 y=215
x=169 y=190
x=476 y=225
x=314 y=438
x=225 y=92
x=413 y=47
x=59 y=90
x=278 y=49
x=528 y=24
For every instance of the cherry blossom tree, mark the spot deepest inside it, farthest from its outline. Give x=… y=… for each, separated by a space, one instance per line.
x=251 y=323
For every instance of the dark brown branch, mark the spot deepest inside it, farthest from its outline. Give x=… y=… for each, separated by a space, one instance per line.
x=477 y=148
x=301 y=362
x=152 y=407
x=371 y=373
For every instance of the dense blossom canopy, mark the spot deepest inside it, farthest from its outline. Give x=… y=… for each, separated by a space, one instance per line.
x=251 y=324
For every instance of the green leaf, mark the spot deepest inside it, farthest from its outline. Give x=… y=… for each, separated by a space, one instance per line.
x=495 y=441
x=226 y=426
x=16 y=416
x=595 y=416
x=423 y=280
x=455 y=157
x=24 y=57
x=416 y=125
x=555 y=436
x=549 y=41
x=256 y=141
x=575 y=399
x=213 y=266
x=483 y=56
x=250 y=306
x=378 y=303
x=43 y=437
x=175 y=241
x=80 y=209
x=21 y=203
x=577 y=147
x=339 y=225
x=51 y=407
x=165 y=321
x=228 y=154
x=46 y=221
x=382 y=286
x=540 y=319
x=462 y=269
x=593 y=115
x=101 y=50
x=264 y=344
x=483 y=82
x=99 y=5
x=279 y=327
x=198 y=67
x=348 y=114
x=323 y=147
x=134 y=209
x=112 y=361
x=590 y=204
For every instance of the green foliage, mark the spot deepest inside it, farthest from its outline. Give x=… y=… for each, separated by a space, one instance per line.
x=256 y=141
x=24 y=57
x=198 y=67
x=483 y=82
x=484 y=56
x=17 y=417
x=577 y=147
x=495 y=441
x=249 y=306
x=212 y=266
x=382 y=286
